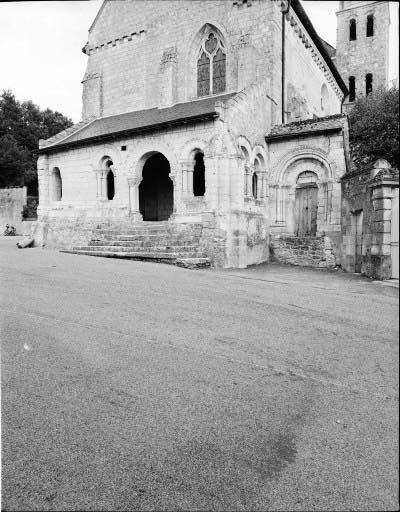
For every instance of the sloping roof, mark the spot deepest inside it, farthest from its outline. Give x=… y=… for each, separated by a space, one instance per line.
x=301 y=13
x=309 y=126
x=329 y=48
x=141 y=120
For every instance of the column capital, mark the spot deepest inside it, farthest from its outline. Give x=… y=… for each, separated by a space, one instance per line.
x=134 y=181
x=187 y=163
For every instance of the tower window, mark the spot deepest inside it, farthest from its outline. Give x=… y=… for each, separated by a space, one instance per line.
x=370 y=25
x=368 y=83
x=353 y=30
x=352 y=88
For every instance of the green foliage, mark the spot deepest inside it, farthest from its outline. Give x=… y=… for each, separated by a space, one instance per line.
x=374 y=128
x=21 y=127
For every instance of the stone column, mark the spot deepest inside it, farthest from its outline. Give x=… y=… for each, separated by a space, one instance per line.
x=133 y=185
x=187 y=178
x=246 y=180
x=279 y=205
x=290 y=219
x=249 y=170
x=261 y=193
x=383 y=190
x=273 y=203
x=101 y=175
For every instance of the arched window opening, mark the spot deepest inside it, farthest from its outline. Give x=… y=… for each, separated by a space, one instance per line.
x=352 y=88
x=211 y=66
x=368 y=83
x=56 y=184
x=370 y=25
x=353 y=30
x=110 y=181
x=199 y=179
x=325 y=100
x=245 y=153
x=254 y=184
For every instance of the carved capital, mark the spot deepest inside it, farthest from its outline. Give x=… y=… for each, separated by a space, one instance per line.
x=170 y=55
x=134 y=182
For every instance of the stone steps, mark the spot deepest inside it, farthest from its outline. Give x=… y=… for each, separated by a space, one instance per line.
x=176 y=259
x=131 y=246
x=184 y=251
x=163 y=242
x=144 y=243
x=152 y=239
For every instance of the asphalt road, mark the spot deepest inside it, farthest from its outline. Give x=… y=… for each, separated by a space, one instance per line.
x=141 y=386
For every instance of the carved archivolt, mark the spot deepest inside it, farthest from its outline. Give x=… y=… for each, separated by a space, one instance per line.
x=280 y=174
x=190 y=146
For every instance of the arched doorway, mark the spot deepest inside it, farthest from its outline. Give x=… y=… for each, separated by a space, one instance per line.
x=156 y=191
x=306 y=204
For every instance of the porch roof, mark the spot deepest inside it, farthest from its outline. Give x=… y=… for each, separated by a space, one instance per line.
x=126 y=124
x=315 y=126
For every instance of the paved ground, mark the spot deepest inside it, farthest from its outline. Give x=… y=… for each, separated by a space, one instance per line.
x=137 y=386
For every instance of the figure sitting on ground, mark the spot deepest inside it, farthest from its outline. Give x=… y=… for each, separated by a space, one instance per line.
x=9 y=231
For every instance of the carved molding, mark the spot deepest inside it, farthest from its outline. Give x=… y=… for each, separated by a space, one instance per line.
x=301 y=33
x=132 y=36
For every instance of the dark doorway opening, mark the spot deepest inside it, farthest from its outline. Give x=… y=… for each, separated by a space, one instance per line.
x=156 y=191
x=110 y=185
x=199 y=179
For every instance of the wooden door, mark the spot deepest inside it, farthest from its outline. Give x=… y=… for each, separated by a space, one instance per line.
x=306 y=210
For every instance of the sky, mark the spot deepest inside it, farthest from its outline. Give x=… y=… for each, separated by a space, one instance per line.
x=40 y=48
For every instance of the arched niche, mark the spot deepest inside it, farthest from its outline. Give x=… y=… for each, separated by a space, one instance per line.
x=56 y=184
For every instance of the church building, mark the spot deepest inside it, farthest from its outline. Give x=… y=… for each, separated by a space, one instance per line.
x=210 y=130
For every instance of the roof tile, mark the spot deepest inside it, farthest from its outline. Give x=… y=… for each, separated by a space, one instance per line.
x=335 y=121
x=142 y=119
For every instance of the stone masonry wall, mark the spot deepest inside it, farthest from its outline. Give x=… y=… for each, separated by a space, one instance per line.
x=303 y=251
x=131 y=41
x=361 y=192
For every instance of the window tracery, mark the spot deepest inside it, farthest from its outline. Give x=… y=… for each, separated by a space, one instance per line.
x=211 y=66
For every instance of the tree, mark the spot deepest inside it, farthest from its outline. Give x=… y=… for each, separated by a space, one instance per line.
x=21 y=127
x=374 y=128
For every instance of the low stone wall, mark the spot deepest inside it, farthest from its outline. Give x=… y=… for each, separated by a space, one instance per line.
x=12 y=203
x=367 y=196
x=317 y=251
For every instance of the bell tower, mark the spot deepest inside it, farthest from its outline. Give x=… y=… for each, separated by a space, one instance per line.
x=362 y=46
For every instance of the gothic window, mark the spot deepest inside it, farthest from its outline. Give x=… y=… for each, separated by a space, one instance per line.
x=370 y=25
x=211 y=66
x=199 y=183
x=353 y=30
x=352 y=88
x=368 y=83
x=56 y=184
